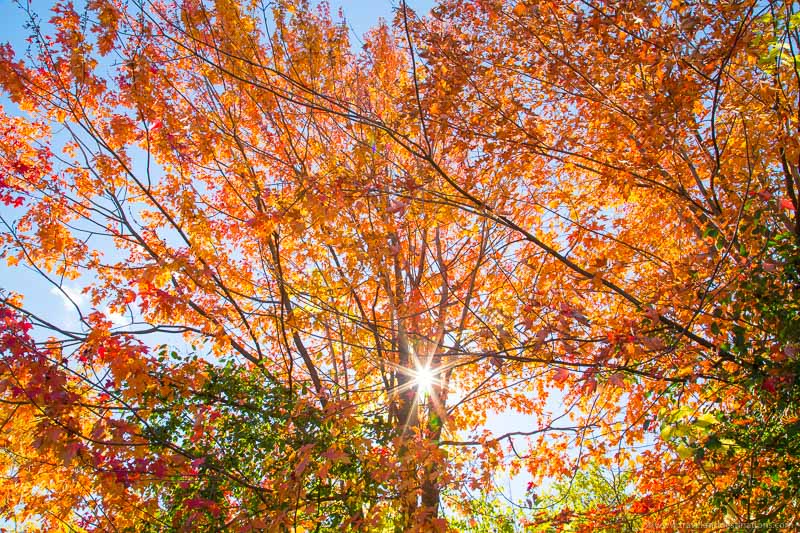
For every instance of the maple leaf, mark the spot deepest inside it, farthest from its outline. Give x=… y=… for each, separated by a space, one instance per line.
x=617 y=380
x=561 y=375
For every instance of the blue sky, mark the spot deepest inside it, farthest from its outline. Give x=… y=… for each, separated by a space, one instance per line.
x=360 y=14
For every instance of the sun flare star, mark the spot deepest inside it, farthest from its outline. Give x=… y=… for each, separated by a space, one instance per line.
x=423 y=376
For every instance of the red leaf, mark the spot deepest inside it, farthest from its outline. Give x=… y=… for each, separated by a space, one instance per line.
x=561 y=375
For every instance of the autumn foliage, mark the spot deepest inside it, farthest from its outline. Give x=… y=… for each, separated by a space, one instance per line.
x=585 y=213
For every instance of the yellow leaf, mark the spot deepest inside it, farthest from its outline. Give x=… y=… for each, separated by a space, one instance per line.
x=684 y=452
x=706 y=420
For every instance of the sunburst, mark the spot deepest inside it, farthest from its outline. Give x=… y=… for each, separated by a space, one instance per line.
x=424 y=378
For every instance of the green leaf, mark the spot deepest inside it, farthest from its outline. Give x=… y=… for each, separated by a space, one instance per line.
x=706 y=420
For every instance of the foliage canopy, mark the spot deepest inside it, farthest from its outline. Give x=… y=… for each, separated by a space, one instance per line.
x=582 y=212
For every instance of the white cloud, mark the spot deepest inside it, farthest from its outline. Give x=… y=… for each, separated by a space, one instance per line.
x=70 y=296
x=117 y=319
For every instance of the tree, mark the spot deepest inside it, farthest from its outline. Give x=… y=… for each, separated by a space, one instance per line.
x=595 y=499
x=655 y=140
x=498 y=206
